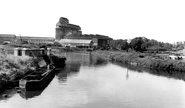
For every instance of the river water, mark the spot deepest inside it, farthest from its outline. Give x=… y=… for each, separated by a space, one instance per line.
x=83 y=83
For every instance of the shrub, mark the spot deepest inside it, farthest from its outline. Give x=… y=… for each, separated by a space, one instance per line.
x=14 y=66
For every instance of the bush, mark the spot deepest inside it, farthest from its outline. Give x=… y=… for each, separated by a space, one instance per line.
x=14 y=66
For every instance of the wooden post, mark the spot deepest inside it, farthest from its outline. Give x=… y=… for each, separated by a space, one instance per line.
x=16 y=51
x=49 y=55
x=24 y=51
x=48 y=51
x=42 y=52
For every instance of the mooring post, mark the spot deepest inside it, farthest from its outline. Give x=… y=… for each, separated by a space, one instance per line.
x=16 y=51
x=48 y=51
x=42 y=52
x=49 y=56
x=24 y=51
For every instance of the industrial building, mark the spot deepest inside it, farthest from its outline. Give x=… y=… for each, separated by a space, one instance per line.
x=76 y=43
x=65 y=30
x=7 y=38
x=66 y=34
x=97 y=40
x=11 y=38
x=34 y=40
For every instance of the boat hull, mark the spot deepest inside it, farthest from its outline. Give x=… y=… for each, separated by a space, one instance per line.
x=32 y=84
x=58 y=62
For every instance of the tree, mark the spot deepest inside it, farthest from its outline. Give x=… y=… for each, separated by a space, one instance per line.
x=119 y=44
x=139 y=44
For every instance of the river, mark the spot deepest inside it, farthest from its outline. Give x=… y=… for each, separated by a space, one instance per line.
x=85 y=84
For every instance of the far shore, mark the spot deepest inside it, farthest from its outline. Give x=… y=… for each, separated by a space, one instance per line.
x=155 y=63
x=145 y=60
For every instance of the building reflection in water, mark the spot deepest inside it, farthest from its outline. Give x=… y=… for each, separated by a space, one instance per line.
x=71 y=69
x=74 y=62
x=82 y=58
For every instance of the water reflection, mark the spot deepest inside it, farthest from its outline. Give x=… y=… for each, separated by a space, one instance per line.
x=29 y=94
x=168 y=74
x=85 y=58
x=80 y=58
x=74 y=62
x=127 y=75
x=7 y=94
x=32 y=94
x=83 y=85
x=71 y=69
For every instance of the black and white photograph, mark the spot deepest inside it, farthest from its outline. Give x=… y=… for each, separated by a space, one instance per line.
x=92 y=54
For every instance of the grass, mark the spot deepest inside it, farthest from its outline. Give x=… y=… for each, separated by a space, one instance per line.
x=14 y=67
x=145 y=60
x=152 y=63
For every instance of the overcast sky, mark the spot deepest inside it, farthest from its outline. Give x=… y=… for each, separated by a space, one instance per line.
x=163 y=20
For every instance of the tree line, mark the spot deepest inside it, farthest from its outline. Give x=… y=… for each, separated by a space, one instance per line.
x=140 y=44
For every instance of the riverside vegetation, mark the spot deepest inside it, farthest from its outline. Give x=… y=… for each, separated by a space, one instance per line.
x=156 y=64
x=145 y=54
x=13 y=67
x=145 y=60
x=142 y=53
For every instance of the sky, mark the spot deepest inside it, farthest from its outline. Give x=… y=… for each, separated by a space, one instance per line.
x=162 y=20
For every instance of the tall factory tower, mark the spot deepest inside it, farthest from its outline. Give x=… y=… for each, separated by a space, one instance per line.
x=64 y=29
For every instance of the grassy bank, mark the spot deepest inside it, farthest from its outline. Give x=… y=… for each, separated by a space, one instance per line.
x=13 y=68
x=145 y=60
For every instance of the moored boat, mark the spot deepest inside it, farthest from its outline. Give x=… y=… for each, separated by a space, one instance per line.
x=37 y=80
x=58 y=61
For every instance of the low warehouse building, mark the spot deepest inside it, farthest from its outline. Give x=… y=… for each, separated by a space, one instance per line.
x=34 y=40
x=7 y=38
x=76 y=43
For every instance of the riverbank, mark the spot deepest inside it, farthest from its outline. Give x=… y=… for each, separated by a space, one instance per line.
x=12 y=68
x=144 y=60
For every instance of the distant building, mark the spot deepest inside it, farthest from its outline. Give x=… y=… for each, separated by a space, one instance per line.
x=7 y=38
x=71 y=33
x=97 y=40
x=76 y=43
x=64 y=28
x=11 y=38
x=35 y=40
